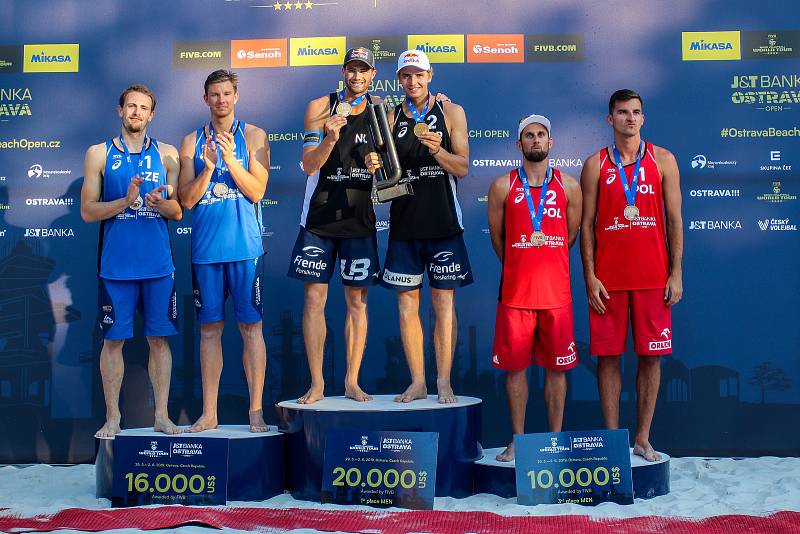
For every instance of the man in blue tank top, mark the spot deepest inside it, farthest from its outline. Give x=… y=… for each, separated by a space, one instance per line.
x=129 y=184
x=425 y=229
x=224 y=173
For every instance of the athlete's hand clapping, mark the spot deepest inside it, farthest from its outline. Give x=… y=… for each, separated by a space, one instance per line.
x=133 y=190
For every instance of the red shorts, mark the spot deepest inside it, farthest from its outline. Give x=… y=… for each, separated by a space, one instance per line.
x=649 y=314
x=520 y=334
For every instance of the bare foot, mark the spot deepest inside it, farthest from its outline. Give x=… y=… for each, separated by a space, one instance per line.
x=166 y=426
x=204 y=423
x=257 y=423
x=109 y=430
x=647 y=452
x=356 y=393
x=446 y=395
x=313 y=395
x=414 y=392
x=507 y=455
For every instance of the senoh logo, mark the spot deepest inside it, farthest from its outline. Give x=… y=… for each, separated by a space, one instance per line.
x=255 y=53
x=554 y=47
x=201 y=54
x=710 y=46
x=307 y=51
x=496 y=48
x=50 y=58
x=439 y=48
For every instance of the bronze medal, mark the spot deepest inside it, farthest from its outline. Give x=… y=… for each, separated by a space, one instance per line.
x=421 y=129
x=538 y=238
x=631 y=213
x=343 y=109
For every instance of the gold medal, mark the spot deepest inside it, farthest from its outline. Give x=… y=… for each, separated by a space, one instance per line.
x=631 y=213
x=220 y=189
x=538 y=238
x=343 y=109
x=421 y=129
x=137 y=204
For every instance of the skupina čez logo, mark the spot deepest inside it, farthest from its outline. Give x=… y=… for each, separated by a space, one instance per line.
x=705 y=46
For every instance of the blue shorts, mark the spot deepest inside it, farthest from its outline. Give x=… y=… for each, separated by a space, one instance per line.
x=445 y=260
x=155 y=298
x=314 y=256
x=242 y=280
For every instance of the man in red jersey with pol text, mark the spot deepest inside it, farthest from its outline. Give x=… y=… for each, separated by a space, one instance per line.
x=534 y=215
x=632 y=246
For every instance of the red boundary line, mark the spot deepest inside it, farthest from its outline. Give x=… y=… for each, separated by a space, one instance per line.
x=435 y=522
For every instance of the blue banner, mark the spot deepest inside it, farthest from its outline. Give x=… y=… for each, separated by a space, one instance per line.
x=728 y=393
x=380 y=469
x=169 y=470
x=583 y=467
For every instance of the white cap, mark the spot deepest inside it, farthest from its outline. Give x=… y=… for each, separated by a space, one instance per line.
x=413 y=58
x=530 y=119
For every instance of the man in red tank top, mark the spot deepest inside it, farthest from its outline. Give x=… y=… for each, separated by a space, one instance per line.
x=632 y=246
x=534 y=214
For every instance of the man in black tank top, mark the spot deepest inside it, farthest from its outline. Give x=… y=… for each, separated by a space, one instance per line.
x=337 y=220
x=426 y=232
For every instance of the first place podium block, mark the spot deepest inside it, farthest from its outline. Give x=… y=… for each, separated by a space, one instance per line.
x=255 y=462
x=458 y=426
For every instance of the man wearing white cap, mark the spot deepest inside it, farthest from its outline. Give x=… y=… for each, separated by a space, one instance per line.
x=534 y=215
x=337 y=220
x=426 y=230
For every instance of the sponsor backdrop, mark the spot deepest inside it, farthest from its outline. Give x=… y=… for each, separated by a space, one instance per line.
x=722 y=91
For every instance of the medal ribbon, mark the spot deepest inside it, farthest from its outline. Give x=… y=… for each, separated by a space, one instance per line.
x=127 y=154
x=419 y=116
x=536 y=217
x=630 y=191
x=353 y=102
x=218 y=166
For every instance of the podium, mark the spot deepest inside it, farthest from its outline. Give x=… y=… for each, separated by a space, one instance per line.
x=255 y=460
x=305 y=426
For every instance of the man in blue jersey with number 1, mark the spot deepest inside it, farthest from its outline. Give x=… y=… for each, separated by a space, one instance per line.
x=224 y=173
x=129 y=186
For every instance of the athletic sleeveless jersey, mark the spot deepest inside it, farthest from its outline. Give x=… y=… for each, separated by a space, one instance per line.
x=536 y=277
x=338 y=199
x=134 y=245
x=432 y=212
x=630 y=254
x=225 y=227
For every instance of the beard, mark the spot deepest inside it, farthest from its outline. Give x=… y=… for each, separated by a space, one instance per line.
x=135 y=128
x=535 y=156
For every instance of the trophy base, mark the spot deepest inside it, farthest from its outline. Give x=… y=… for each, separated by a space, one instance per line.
x=305 y=427
x=399 y=190
x=650 y=479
